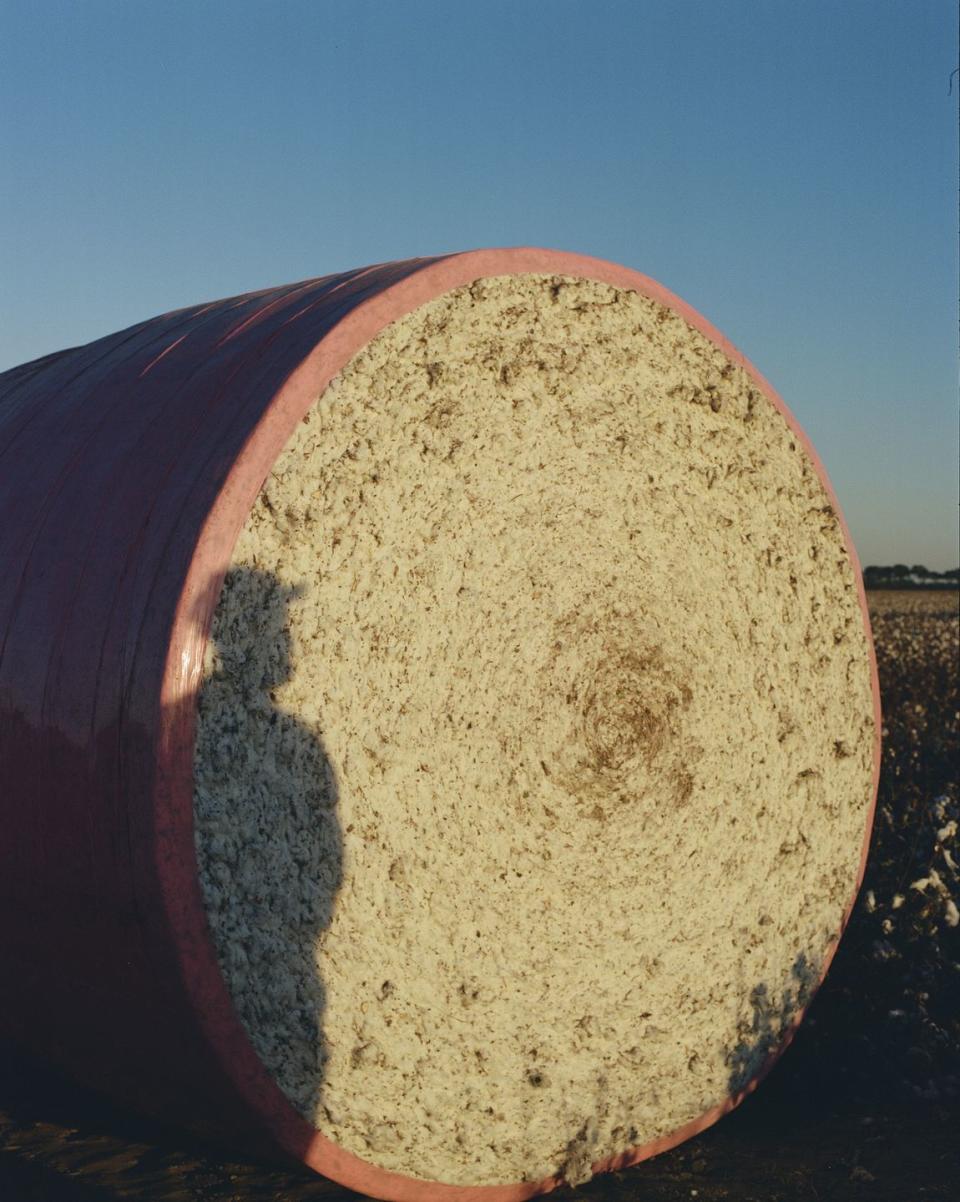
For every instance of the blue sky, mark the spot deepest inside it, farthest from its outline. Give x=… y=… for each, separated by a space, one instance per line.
x=790 y=169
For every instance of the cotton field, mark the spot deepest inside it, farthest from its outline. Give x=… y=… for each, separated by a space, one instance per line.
x=890 y=1008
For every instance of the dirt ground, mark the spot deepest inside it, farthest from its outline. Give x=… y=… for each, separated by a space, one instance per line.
x=864 y=1105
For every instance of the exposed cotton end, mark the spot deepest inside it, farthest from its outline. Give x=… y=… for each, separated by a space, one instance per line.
x=534 y=752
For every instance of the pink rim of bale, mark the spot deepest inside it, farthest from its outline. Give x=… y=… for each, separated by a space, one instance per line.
x=105 y=613
x=186 y=647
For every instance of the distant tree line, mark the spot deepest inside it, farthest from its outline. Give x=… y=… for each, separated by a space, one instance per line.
x=902 y=576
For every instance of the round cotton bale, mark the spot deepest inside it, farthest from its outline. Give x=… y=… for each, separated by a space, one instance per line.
x=507 y=728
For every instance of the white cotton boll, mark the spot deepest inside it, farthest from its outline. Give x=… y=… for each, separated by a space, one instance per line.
x=933 y=880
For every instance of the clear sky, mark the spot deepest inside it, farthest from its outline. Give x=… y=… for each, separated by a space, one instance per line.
x=789 y=168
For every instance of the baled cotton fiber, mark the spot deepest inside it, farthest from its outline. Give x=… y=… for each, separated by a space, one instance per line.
x=536 y=737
